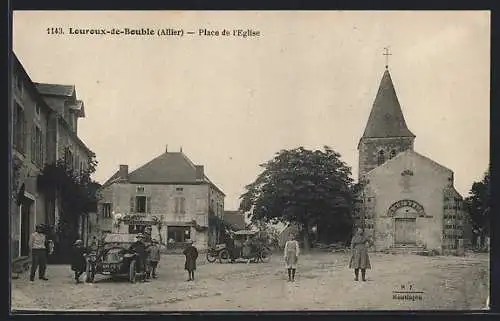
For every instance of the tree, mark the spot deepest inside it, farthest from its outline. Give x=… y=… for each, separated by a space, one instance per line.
x=78 y=195
x=302 y=186
x=478 y=205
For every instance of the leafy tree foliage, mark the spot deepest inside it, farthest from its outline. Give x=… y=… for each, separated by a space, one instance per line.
x=78 y=195
x=478 y=205
x=303 y=186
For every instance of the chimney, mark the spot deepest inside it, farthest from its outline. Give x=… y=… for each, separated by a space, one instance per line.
x=200 y=175
x=166 y=148
x=123 y=172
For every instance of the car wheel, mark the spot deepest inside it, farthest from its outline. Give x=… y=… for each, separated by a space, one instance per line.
x=132 y=273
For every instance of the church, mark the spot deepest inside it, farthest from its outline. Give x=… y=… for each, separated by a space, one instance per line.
x=408 y=201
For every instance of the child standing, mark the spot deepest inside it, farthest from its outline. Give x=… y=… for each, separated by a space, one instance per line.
x=154 y=257
x=78 y=261
x=191 y=254
x=291 y=256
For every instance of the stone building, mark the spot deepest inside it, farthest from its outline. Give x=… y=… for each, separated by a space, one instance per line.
x=62 y=139
x=171 y=188
x=29 y=124
x=408 y=201
x=41 y=128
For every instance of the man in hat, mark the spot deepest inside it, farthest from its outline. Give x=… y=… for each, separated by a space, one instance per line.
x=139 y=247
x=191 y=254
x=39 y=251
x=78 y=261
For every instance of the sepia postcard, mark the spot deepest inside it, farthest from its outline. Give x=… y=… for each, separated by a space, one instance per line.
x=249 y=161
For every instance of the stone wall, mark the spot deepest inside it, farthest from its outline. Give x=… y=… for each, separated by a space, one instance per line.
x=409 y=176
x=161 y=202
x=370 y=147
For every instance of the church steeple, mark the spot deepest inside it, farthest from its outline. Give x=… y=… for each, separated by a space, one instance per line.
x=386 y=133
x=386 y=118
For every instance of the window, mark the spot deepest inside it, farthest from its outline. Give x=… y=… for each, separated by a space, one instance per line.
x=106 y=210
x=393 y=153
x=140 y=204
x=37 y=110
x=179 y=189
x=180 y=205
x=178 y=233
x=68 y=158
x=19 y=86
x=37 y=146
x=381 y=157
x=19 y=130
x=139 y=189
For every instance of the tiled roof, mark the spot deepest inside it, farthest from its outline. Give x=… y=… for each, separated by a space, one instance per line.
x=55 y=89
x=386 y=118
x=168 y=167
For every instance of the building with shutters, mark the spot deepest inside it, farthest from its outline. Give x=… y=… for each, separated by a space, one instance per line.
x=170 y=188
x=409 y=201
x=43 y=124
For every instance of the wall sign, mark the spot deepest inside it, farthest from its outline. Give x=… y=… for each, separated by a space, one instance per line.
x=406 y=203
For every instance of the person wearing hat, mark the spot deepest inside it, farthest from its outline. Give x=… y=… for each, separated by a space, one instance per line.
x=39 y=251
x=78 y=261
x=191 y=254
x=153 y=257
x=139 y=247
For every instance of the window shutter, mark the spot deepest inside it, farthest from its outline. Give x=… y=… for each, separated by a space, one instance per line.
x=183 y=205
x=176 y=210
x=148 y=204
x=132 y=204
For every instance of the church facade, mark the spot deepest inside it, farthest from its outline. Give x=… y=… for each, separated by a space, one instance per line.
x=408 y=201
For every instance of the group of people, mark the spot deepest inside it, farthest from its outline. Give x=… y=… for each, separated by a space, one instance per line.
x=148 y=252
x=359 y=255
x=148 y=256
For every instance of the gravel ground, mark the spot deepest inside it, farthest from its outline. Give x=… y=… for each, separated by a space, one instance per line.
x=323 y=282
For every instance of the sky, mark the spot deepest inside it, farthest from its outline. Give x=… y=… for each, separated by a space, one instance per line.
x=309 y=79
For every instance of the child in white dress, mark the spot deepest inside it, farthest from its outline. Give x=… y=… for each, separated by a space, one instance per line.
x=291 y=256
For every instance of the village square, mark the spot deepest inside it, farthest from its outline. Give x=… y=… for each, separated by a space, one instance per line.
x=306 y=231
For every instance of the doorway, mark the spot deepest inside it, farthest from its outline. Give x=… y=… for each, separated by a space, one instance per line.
x=26 y=224
x=405 y=231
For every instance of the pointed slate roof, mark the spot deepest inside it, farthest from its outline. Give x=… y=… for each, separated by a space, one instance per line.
x=386 y=118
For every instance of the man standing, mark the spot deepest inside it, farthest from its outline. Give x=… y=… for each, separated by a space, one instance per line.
x=39 y=251
x=140 y=248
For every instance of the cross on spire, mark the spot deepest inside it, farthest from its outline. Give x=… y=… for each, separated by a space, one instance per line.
x=387 y=54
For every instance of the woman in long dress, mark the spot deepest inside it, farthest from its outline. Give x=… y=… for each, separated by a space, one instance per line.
x=291 y=256
x=359 y=257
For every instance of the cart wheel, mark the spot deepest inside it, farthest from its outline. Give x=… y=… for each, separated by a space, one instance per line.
x=265 y=256
x=131 y=272
x=224 y=256
x=211 y=257
x=89 y=272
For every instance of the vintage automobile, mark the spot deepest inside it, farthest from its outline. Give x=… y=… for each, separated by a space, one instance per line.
x=114 y=258
x=260 y=249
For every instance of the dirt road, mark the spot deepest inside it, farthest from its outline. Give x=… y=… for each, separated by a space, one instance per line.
x=323 y=282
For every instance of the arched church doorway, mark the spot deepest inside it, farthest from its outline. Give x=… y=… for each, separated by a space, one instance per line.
x=405 y=213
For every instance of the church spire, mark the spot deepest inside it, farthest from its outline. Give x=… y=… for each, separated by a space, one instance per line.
x=386 y=118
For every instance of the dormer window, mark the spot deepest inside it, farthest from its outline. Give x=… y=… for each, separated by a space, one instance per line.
x=380 y=157
x=393 y=153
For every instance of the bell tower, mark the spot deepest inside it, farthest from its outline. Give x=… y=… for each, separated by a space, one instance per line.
x=386 y=133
